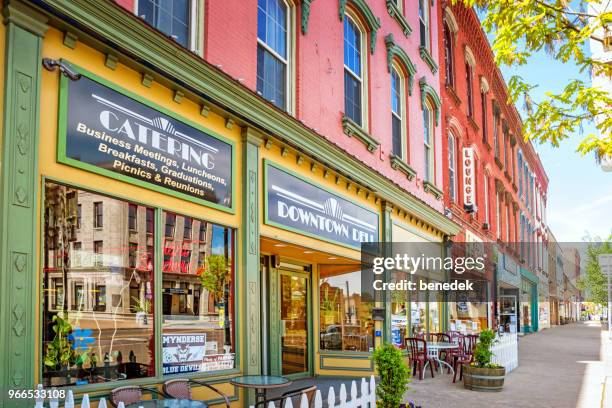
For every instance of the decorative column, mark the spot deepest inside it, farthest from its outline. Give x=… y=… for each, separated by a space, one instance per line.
x=19 y=196
x=251 y=140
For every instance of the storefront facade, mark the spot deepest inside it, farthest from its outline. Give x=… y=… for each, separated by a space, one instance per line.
x=157 y=220
x=528 y=302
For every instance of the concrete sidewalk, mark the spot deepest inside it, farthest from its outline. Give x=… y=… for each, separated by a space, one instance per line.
x=561 y=367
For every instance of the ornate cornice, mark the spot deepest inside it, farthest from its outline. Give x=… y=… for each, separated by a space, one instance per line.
x=396 y=13
x=428 y=92
x=353 y=129
x=305 y=15
x=395 y=51
x=373 y=22
x=426 y=56
x=432 y=189
x=397 y=163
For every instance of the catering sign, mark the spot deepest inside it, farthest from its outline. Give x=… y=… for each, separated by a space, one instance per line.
x=468 y=179
x=107 y=130
x=183 y=352
x=295 y=204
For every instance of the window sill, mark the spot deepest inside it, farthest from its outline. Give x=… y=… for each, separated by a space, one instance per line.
x=451 y=91
x=426 y=56
x=432 y=189
x=397 y=163
x=396 y=13
x=353 y=129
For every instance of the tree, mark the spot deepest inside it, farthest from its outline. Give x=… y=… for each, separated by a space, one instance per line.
x=563 y=29
x=594 y=283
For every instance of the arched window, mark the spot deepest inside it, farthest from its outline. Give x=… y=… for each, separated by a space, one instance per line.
x=449 y=56
x=397 y=114
x=452 y=166
x=273 y=51
x=428 y=141
x=353 y=71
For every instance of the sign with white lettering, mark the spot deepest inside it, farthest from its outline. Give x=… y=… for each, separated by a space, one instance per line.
x=107 y=130
x=469 y=180
x=295 y=204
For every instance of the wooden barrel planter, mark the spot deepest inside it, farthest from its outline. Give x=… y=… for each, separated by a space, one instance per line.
x=483 y=379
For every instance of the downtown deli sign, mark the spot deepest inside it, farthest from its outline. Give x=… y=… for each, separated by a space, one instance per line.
x=108 y=132
x=298 y=205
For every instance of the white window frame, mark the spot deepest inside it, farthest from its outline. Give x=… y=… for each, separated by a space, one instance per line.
x=426 y=23
x=452 y=164
x=363 y=43
x=289 y=70
x=429 y=143
x=497 y=215
x=402 y=114
x=486 y=199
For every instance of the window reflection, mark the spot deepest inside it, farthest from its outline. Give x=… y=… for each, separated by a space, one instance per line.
x=346 y=317
x=98 y=289
x=198 y=296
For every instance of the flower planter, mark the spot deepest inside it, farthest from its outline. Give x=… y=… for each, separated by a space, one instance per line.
x=483 y=379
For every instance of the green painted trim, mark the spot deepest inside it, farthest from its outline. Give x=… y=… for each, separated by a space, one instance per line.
x=345 y=355
x=427 y=91
x=394 y=51
x=397 y=163
x=426 y=56
x=529 y=276
x=19 y=197
x=128 y=34
x=62 y=131
x=268 y=163
x=305 y=15
x=361 y=6
x=396 y=13
x=351 y=129
x=432 y=189
x=387 y=228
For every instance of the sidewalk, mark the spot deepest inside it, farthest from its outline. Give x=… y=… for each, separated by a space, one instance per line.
x=607 y=353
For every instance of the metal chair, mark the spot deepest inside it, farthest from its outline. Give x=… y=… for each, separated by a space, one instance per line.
x=180 y=388
x=419 y=356
x=310 y=396
x=130 y=394
x=467 y=355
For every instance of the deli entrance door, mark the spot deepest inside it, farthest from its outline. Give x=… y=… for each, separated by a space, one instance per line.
x=294 y=330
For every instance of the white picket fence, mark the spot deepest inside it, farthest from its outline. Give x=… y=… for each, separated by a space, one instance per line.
x=505 y=351
x=366 y=399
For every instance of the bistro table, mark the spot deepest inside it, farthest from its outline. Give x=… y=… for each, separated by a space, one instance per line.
x=261 y=383
x=433 y=351
x=168 y=403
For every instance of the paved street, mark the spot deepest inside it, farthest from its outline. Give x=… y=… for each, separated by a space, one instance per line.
x=561 y=367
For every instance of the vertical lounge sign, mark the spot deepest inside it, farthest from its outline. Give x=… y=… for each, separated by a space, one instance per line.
x=469 y=182
x=106 y=130
x=295 y=204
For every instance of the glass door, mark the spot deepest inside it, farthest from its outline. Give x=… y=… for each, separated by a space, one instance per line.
x=294 y=288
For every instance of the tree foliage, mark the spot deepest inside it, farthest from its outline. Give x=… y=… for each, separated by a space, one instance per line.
x=564 y=30
x=394 y=376
x=594 y=283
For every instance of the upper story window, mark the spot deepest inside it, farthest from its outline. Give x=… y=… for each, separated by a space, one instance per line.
x=353 y=71
x=132 y=216
x=496 y=132
x=470 y=89
x=452 y=167
x=397 y=114
x=175 y=18
x=449 y=59
x=424 y=23
x=272 y=51
x=486 y=199
x=98 y=214
x=428 y=141
x=520 y=172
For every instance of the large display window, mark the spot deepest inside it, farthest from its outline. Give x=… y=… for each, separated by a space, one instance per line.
x=99 y=292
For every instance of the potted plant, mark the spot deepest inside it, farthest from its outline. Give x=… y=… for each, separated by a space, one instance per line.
x=481 y=374
x=59 y=354
x=142 y=307
x=394 y=376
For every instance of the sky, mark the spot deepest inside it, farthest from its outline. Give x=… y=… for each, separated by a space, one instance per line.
x=579 y=193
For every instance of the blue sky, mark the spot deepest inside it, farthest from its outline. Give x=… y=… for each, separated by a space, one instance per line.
x=579 y=192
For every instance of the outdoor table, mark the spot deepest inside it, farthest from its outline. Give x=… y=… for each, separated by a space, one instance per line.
x=261 y=383
x=168 y=403
x=433 y=351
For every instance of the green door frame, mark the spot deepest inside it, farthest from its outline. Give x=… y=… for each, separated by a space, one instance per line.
x=275 y=348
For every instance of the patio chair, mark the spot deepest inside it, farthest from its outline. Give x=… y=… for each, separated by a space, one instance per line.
x=180 y=388
x=467 y=355
x=130 y=394
x=310 y=396
x=419 y=356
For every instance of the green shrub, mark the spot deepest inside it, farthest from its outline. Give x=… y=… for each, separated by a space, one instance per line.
x=394 y=376
x=482 y=352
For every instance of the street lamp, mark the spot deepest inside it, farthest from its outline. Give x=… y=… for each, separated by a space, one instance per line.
x=605 y=263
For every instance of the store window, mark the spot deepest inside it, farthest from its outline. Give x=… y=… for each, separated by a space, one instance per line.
x=468 y=312
x=345 y=316
x=173 y=18
x=198 y=300
x=81 y=343
x=397 y=114
x=353 y=71
x=272 y=51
